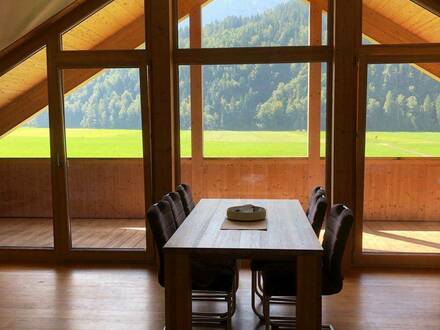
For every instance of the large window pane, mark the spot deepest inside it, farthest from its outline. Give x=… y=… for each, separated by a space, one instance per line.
x=103 y=117
x=251 y=23
x=26 y=217
x=255 y=110
x=403 y=110
x=185 y=111
x=401 y=187
x=105 y=156
x=257 y=121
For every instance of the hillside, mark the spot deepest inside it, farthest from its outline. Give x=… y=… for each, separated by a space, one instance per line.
x=257 y=97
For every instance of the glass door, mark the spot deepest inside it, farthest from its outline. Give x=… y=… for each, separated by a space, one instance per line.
x=26 y=215
x=105 y=154
x=400 y=161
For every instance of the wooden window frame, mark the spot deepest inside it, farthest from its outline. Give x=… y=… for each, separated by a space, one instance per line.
x=386 y=54
x=195 y=57
x=57 y=60
x=346 y=61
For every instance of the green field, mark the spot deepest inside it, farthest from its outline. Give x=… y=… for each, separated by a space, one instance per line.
x=103 y=143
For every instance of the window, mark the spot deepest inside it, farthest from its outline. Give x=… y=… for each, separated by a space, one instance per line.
x=253 y=110
x=403 y=110
x=105 y=155
x=103 y=116
x=403 y=133
x=26 y=218
x=185 y=111
x=251 y=23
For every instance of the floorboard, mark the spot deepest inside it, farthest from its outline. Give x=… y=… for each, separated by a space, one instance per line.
x=128 y=297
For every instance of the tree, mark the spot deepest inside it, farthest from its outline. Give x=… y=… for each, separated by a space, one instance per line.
x=428 y=115
x=437 y=109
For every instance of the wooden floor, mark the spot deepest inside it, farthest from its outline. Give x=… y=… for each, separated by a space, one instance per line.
x=86 y=233
x=379 y=236
x=128 y=297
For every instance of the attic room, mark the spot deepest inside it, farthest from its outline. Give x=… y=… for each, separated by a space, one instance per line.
x=231 y=164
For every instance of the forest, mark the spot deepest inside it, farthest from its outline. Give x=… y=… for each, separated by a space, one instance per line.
x=257 y=97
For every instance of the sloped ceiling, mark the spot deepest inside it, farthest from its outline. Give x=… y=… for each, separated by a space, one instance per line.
x=19 y=17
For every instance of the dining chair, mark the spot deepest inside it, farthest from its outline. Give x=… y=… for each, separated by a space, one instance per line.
x=176 y=207
x=282 y=282
x=317 y=210
x=317 y=190
x=315 y=213
x=210 y=281
x=185 y=193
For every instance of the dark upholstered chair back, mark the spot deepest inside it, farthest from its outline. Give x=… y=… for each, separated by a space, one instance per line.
x=176 y=207
x=163 y=226
x=317 y=211
x=318 y=190
x=337 y=231
x=185 y=193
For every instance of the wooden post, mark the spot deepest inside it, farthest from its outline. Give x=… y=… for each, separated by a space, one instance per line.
x=314 y=116
x=61 y=221
x=347 y=42
x=163 y=128
x=196 y=86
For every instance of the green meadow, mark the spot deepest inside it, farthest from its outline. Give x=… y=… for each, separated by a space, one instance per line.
x=115 y=143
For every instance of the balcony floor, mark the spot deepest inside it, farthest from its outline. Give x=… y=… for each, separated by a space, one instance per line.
x=404 y=237
x=86 y=233
x=379 y=236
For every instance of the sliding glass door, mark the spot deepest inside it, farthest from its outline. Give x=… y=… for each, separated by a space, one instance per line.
x=104 y=149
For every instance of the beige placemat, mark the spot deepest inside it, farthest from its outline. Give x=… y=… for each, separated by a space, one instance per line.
x=244 y=225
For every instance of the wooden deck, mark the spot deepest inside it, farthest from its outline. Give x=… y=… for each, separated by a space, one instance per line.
x=129 y=297
x=379 y=236
x=86 y=233
x=407 y=237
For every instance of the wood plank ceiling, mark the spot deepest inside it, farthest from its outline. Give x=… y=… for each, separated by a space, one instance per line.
x=120 y=25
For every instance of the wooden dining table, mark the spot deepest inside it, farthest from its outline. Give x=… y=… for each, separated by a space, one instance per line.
x=289 y=236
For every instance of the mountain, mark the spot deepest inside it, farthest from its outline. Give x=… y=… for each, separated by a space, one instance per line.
x=257 y=97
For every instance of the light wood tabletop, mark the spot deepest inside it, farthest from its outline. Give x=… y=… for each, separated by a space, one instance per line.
x=288 y=230
x=289 y=235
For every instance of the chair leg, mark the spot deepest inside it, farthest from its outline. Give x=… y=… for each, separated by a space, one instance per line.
x=231 y=309
x=253 y=293
x=266 y=312
x=233 y=302
x=259 y=289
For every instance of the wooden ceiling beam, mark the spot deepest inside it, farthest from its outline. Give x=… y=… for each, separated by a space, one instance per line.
x=184 y=7
x=432 y=5
x=384 y=31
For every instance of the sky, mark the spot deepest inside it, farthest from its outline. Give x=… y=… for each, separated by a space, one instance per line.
x=219 y=9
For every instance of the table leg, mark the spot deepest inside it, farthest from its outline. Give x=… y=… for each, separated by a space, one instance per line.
x=178 y=308
x=308 y=301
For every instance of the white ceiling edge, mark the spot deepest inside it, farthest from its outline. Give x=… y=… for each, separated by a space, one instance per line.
x=18 y=17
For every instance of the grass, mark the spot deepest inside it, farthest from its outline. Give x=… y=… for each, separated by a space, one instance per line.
x=103 y=143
